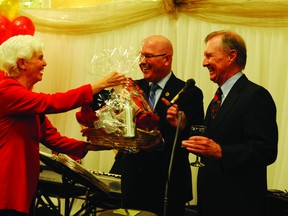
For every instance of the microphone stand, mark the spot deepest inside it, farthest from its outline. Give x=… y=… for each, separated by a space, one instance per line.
x=171 y=162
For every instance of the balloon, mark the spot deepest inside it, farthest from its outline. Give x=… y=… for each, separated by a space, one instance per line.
x=6 y=29
x=9 y=8
x=3 y=74
x=23 y=26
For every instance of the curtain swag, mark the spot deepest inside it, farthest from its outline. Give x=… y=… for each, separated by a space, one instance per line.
x=113 y=15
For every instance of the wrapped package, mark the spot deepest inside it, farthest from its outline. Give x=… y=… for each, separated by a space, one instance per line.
x=122 y=120
x=119 y=118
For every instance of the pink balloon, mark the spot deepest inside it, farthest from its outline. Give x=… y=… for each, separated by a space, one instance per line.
x=23 y=26
x=6 y=29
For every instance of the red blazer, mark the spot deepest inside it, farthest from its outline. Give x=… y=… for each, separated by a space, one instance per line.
x=22 y=129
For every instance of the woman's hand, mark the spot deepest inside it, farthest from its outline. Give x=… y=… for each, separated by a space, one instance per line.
x=109 y=80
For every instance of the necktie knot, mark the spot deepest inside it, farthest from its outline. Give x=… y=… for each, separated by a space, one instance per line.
x=216 y=103
x=154 y=87
x=152 y=94
x=218 y=94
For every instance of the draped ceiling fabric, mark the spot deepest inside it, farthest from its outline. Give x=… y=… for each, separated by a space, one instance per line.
x=116 y=14
x=73 y=34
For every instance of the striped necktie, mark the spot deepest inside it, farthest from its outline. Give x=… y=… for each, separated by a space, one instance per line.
x=152 y=95
x=216 y=103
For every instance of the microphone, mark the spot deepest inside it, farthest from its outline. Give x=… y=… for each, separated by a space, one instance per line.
x=172 y=161
x=189 y=84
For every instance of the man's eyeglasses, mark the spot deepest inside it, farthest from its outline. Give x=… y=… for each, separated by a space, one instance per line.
x=149 y=56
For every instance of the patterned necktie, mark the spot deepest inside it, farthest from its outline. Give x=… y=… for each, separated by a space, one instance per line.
x=216 y=103
x=152 y=95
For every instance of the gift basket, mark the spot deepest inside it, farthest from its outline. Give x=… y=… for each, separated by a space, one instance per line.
x=119 y=118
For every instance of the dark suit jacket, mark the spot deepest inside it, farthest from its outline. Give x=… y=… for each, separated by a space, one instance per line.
x=246 y=129
x=144 y=174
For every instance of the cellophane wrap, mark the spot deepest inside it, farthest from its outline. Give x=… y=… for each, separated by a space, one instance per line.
x=122 y=60
x=119 y=118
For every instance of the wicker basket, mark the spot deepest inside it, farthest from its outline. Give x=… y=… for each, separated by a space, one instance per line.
x=115 y=141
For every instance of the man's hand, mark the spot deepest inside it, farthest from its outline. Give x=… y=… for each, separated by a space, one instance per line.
x=172 y=115
x=156 y=144
x=203 y=146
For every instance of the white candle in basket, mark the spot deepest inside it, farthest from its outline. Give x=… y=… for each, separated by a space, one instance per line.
x=129 y=122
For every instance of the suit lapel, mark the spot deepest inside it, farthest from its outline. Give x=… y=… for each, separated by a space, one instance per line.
x=145 y=87
x=227 y=105
x=171 y=88
x=169 y=91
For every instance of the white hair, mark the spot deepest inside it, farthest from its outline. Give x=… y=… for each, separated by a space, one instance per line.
x=18 y=47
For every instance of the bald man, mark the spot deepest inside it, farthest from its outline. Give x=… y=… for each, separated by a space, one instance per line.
x=144 y=175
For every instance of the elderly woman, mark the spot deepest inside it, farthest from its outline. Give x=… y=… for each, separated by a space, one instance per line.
x=23 y=123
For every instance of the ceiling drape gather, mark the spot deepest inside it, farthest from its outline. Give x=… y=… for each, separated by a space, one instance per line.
x=113 y=15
